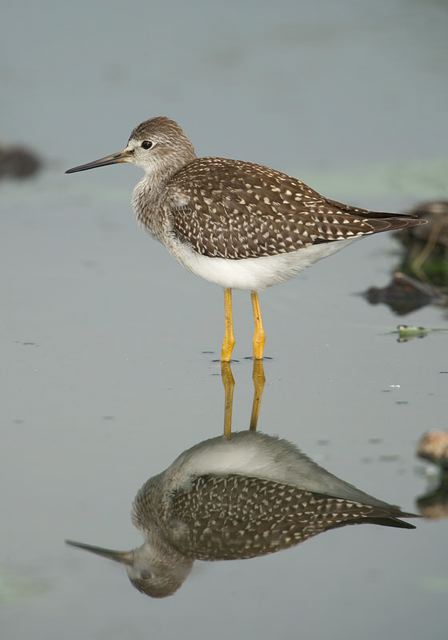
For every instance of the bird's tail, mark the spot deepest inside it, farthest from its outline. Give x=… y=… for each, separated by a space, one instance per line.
x=393 y=522
x=392 y=222
x=384 y=517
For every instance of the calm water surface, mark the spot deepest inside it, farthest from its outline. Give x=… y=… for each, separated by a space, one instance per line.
x=107 y=374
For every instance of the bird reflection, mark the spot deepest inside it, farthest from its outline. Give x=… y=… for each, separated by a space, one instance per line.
x=237 y=496
x=421 y=277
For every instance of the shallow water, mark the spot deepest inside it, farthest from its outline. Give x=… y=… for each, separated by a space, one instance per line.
x=107 y=342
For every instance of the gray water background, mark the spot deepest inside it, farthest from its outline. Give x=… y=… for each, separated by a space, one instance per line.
x=104 y=380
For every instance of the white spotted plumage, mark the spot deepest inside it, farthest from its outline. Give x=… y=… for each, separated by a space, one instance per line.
x=235 y=223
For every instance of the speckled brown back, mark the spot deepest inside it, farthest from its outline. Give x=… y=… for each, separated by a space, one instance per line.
x=230 y=517
x=232 y=209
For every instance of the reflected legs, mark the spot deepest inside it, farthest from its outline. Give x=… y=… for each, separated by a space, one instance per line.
x=228 y=382
x=259 y=379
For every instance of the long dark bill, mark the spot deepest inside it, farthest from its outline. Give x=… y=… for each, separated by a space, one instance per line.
x=124 y=557
x=115 y=158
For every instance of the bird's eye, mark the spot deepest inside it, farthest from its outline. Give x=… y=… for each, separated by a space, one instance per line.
x=146 y=144
x=145 y=575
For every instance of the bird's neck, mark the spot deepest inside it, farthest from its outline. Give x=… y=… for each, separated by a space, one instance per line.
x=165 y=165
x=149 y=192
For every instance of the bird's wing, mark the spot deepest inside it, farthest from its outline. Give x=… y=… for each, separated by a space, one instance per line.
x=232 y=209
x=234 y=516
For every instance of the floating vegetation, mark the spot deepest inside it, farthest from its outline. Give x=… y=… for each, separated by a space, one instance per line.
x=426 y=246
x=434 y=503
x=18 y=162
x=421 y=276
x=433 y=446
x=406 y=332
x=405 y=294
x=14 y=588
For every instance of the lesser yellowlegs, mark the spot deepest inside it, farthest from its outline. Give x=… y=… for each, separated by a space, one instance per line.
x=234 y=499
x=237 y=224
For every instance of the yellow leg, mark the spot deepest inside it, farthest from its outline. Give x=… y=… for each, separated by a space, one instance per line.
x=228 y=382
x=229 y=339
x=259 y=335
x=259 y=379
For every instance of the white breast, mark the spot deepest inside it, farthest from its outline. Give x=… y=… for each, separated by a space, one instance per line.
x=259 y=455
x=253 y=273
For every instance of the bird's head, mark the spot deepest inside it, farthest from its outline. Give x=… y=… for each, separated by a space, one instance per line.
x=153 y=571
x=158 y=145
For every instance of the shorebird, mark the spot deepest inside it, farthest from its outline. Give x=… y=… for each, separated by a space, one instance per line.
x=237 y=224
x=235 y=499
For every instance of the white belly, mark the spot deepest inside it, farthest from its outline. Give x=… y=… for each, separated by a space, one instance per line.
x=253 y=273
